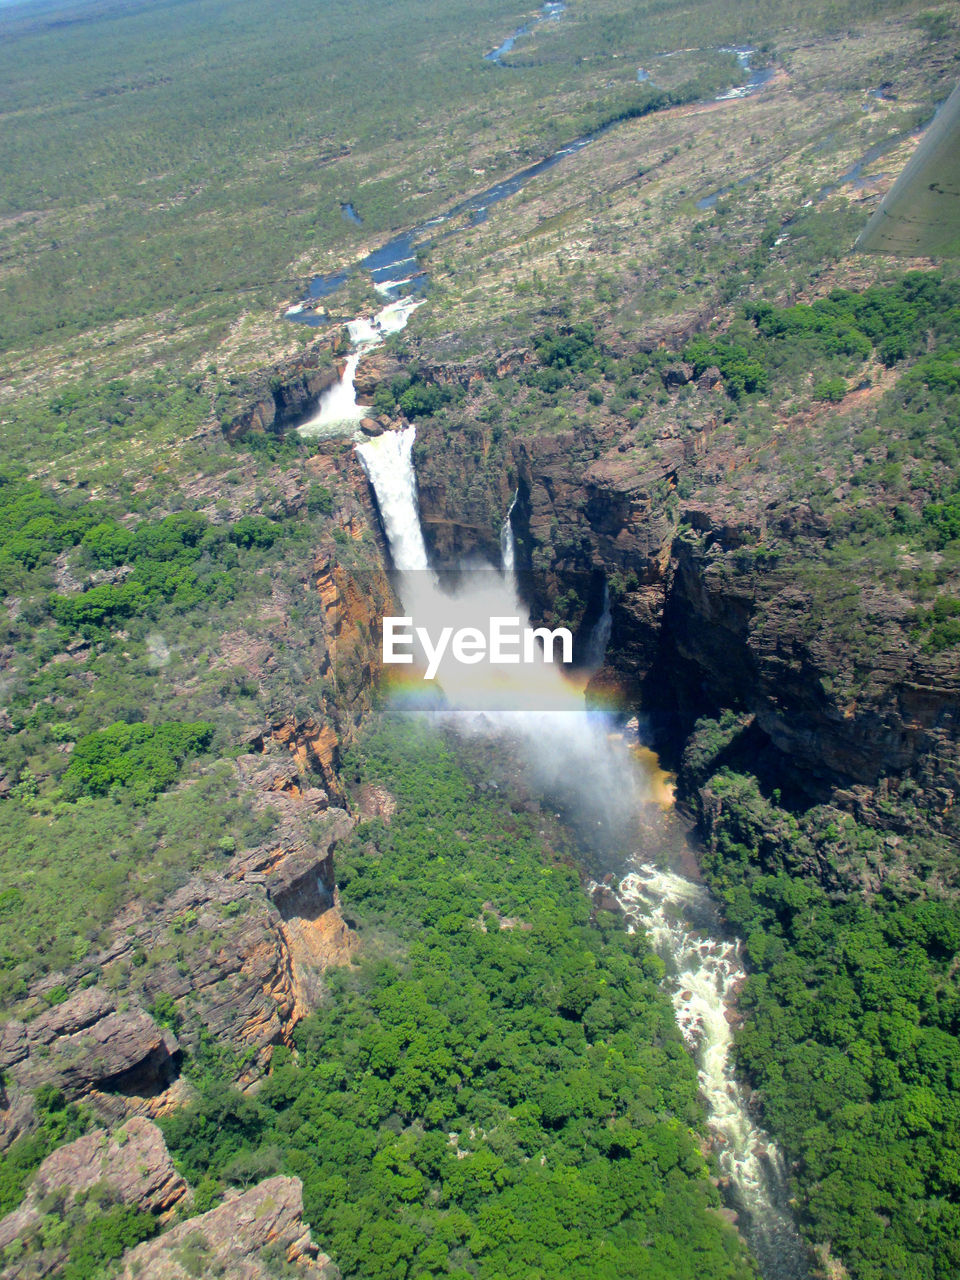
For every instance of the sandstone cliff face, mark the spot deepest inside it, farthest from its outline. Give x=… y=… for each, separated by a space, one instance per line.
x=700 y=624
x=381 y=367
x=235 y=955
x=374 y=368
x=132 y=1166
x=351 y=605
x=87 y=1044
x=287 y=393
x=585 y=512
x=842 y=716
x=249 y=1237
x=312 y=747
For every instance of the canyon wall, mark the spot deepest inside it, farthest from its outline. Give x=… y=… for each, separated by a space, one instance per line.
x=845 y=703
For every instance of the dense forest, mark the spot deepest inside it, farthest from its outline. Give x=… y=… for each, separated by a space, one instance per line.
x=499 y=1088
x=852 y=1029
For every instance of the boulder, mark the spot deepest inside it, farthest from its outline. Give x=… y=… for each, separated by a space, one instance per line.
x=677 y=375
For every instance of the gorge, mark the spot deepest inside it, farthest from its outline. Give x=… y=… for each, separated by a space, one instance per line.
x=632 y=538
x=576 y=756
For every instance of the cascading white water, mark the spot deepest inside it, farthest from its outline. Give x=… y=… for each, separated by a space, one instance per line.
x=388 y=462
x=705 y=972
x=508 y=545
x=580 y=765
x=599 y=636
x=338 y=404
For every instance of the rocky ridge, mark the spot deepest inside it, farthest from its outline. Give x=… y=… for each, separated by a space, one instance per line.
x=235 y=956
x=237 y=953
x=248 y=1237
x=129 y=1167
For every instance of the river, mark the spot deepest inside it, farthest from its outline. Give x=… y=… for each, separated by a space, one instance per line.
x=602 y=779
x=394 y=268
x=553 y=10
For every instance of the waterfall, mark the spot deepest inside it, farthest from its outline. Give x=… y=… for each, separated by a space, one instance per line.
x=582 y=768
x=338 y=406
x=705 y=973
x=388 y=462
x=525 y=699
x=508 y=545
x=599 y=636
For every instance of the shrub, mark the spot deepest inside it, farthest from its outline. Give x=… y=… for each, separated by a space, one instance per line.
x=144 y=759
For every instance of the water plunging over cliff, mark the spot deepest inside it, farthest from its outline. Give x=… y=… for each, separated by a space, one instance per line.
x=508 y=544
x=389 y=466
x=599 y=636
x=589 y=772
x=338 y=405
x=470 y=598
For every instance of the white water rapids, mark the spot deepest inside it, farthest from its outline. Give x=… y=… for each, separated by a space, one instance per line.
x=704 y=972
x=338 y=404
x=584 y=766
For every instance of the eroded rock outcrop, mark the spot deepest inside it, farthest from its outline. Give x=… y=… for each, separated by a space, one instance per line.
x=88 y=1043
x=235 y=955
x=249 y=1237
x=285 y=394
x=131 y=1166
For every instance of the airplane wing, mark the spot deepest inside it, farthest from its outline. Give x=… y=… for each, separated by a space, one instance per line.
x=920 y=214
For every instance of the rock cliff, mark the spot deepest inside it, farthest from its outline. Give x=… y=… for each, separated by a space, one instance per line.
x=129 y=1167
x=252 y=1236
x=236 y=954
x=676 y=517
x=235 y=957
x=87 y=1044
x=287 y=393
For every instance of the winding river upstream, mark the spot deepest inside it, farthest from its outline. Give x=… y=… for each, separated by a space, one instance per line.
x=394 y=268
x=553 y=10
